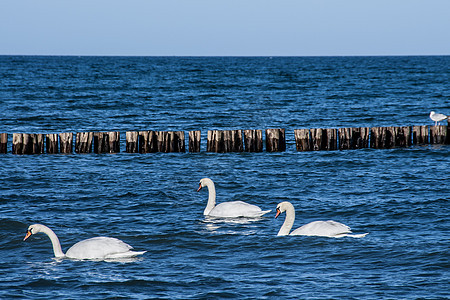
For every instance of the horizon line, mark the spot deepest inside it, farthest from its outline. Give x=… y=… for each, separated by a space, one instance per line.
x=266 y=56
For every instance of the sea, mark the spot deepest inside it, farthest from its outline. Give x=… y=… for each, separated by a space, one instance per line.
x=399 y=196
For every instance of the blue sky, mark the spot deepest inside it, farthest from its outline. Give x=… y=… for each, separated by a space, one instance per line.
x=225 y=27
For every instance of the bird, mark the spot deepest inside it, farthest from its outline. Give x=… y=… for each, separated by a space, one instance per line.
x=93 y=248
x=437 y=117
x=232 y=209
x=317 y=228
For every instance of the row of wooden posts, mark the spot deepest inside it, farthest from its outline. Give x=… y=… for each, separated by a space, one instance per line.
x=222 y=141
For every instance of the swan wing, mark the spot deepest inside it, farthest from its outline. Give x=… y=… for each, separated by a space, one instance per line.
x=235 y=209
x=101 y=248
x=323 y=228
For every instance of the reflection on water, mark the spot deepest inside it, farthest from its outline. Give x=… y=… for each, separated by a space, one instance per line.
x=228 y=225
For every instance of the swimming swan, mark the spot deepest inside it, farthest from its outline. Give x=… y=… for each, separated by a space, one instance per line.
x=93 y=248
x=232 y=209
x=316 y=228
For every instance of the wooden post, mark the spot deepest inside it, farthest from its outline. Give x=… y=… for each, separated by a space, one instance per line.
x=324 y=139
x=223 y=141
x=17 y=145
x=163 y=139
x=38 y=143
x=401 y=136
x=360 y=137
x=212 y=141
x=390 y=137
x=194 y=141
x=376 y=137
x=3 y=143
x=215 y=142
x=253 y=141
x=179 y=142
x=303 y=139
x=353 y=138
x=27 y=144
x=107 y=142
x=147 y=142
x=275 y=140
x=143 y=141
x=114 y=141
x=101 y=142
x=420 y=135
x=51 y=143
x=331 y=139
x=83 y=142
x=438 y=135
x=132 y=145
x=317 y=139
x=237 y=144
x=170 y=141
x=345 y=139
x=66 y=142
x=381 y=138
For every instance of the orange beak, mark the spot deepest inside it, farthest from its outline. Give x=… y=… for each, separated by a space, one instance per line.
x=199 y=188
x=27 y=235
x=278 y=213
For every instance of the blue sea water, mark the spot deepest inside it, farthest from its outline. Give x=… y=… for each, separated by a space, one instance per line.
x=399 y=196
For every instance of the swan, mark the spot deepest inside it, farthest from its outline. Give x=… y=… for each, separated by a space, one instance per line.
x=93 y=248
x=316 y=228
x=437 y=117
x=232 y=209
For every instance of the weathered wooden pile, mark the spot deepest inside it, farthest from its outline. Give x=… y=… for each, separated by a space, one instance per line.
x=223 y=141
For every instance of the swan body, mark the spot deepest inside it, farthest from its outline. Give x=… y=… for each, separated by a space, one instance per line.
x=232 y=209
x=317 y=228
x=437 y=117
x=93 y=248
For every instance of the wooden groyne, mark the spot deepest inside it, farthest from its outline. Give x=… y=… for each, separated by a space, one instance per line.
x=225 y=141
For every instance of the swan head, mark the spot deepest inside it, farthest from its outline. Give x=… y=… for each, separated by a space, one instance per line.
x=282 y=207
x=204 y=182
x=33 y=229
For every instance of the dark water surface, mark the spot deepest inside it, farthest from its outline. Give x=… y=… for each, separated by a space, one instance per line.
x=399 y=196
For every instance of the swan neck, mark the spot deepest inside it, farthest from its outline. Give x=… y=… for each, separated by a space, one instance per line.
x=211 y=197
x=288 y=221
x=55 y=241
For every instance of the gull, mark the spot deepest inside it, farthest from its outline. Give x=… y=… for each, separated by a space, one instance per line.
x=437 y=117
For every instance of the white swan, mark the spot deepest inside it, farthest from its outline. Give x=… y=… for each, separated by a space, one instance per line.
x=437 y=117
x=232 y=209
x=93 y=248
x=316 y=228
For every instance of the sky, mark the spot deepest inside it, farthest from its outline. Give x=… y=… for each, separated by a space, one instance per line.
x=225 y=27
